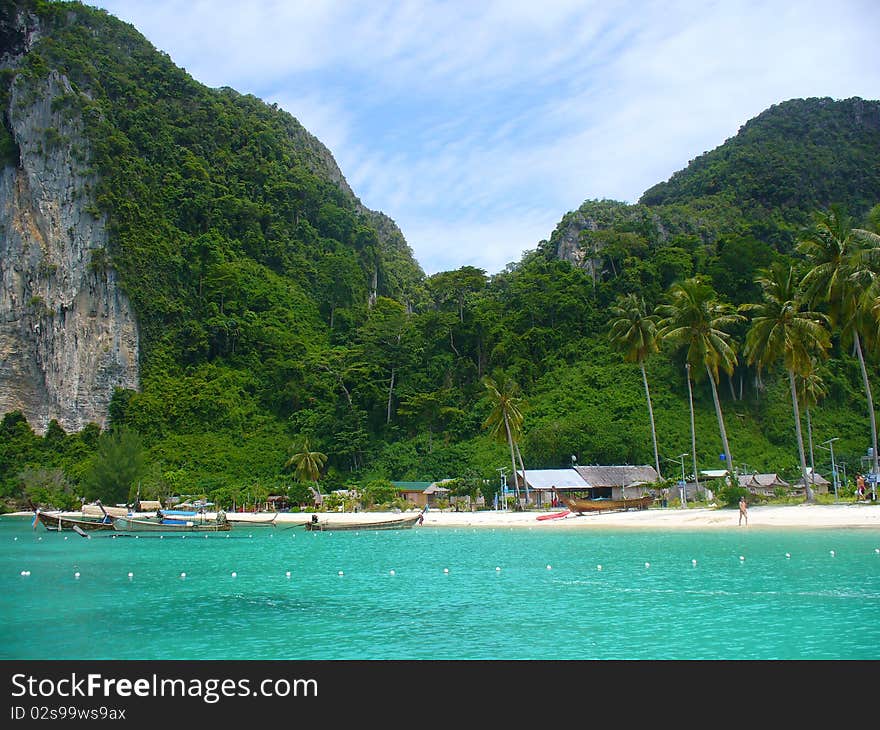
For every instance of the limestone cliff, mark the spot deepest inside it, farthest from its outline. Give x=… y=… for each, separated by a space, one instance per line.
x=68 y=335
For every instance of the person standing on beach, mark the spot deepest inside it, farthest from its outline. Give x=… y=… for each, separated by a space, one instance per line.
x=743 y=511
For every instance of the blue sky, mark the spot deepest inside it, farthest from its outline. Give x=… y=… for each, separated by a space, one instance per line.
x=477 y=125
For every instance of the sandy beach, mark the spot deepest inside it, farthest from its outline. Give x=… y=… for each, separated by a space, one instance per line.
x=843 y=515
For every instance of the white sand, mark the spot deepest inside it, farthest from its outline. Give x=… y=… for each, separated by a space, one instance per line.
x=843 y=515
x=802 y=515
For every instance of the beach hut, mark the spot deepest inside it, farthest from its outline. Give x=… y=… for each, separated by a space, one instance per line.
x=542 y=483
x=619 y=481
x=818 y=483
x=762 y=485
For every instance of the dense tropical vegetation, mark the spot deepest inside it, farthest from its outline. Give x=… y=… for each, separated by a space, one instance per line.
x=275 y=309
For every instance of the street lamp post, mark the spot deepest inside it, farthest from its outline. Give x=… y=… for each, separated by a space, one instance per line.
x=830 y=443
x=682 y=485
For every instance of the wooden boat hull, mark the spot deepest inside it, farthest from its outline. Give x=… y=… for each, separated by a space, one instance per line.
x=404 y=523
x=126 y=524
x=57 y=523
x=581 y=505
x=259 y=522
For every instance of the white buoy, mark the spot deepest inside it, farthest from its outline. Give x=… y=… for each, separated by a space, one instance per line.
x=24 y=572
x=647 y=565
x=549 y=567
x=598 y=567
x=391 y=572
x=788 y=555
x=65 y=537
x=445 y=570
x=877 y=550
x=40 y=539
x=287 y=574
x=497 y=569
x=161 y=537
x=14 y=539
x=131 y=575
x=831 y=552
x=75 y=575
x=741 y=557
x=234 y=574
x=341 y=573
x=694 y=561
x=183 y=575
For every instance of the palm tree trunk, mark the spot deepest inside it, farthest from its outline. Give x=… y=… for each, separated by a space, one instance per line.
x=721 y=429
x=523 y=469
x=800 y=439
x=512 y=459
x=687 y=367
x=651 y=415
x=870 y=400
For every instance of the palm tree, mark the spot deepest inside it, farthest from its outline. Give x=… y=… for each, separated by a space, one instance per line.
x=695 y=319
x=841 y=276
x=782 y=330
x=308 y=464
x=506 y=419
x=634 y=334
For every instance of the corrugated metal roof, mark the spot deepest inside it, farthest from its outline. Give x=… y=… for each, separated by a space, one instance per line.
x=617 y=476
x=549 y=478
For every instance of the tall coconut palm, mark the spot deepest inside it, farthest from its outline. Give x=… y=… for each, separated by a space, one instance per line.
x=782 y=331
x=840 y=275
x=634 y=334
x=694 y=318
x=505 y=419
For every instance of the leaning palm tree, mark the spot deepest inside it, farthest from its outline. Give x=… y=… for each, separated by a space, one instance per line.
x=782 y=330
x=308 y=464
x=505 y=419
x=843 y=264
x=693 y=318
x=634 y=334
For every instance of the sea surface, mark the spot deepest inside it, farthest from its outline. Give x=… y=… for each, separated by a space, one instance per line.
x=437 y=593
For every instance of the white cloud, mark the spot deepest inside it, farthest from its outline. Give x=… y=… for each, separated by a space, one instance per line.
x=477 y=126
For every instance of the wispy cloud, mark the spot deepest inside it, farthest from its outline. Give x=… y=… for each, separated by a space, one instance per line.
x=477 y=126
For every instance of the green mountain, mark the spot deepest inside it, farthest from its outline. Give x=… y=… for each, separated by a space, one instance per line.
x=206 y=280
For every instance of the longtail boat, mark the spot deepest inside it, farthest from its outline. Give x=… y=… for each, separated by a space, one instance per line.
x=241 y=519
x=130 y=524
x=582 y=505
x=397 y=523
x=56 y=522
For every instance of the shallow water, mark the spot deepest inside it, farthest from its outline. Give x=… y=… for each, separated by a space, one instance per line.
x=625 y=595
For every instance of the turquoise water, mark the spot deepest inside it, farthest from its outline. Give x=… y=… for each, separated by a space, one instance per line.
x=549 y=600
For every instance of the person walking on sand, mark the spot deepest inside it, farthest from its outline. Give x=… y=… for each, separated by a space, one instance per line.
x=743 y=511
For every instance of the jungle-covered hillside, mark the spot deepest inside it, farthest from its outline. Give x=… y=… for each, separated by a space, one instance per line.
x=278 y=316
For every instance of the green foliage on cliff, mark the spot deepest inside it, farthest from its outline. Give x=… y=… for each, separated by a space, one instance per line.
x=272 y=306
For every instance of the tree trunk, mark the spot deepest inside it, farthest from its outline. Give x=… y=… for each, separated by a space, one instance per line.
x=812 y=457
x=870 y=400
x=512 y=459
x=651 y=415
x=730 y=473
x=693 y=433
x=523 y=469
x=800 y=439
x=390 y=392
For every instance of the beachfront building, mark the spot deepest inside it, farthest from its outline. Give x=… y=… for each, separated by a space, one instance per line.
x=763 y=485
x=621 y=481
x=595 y=482
x=422 y=494
x=818 y=483
x=544 y=484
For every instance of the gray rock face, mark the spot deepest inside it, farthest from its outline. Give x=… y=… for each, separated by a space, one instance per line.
x=68 y=335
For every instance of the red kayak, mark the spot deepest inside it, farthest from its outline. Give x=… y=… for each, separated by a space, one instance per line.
x=555 y=515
